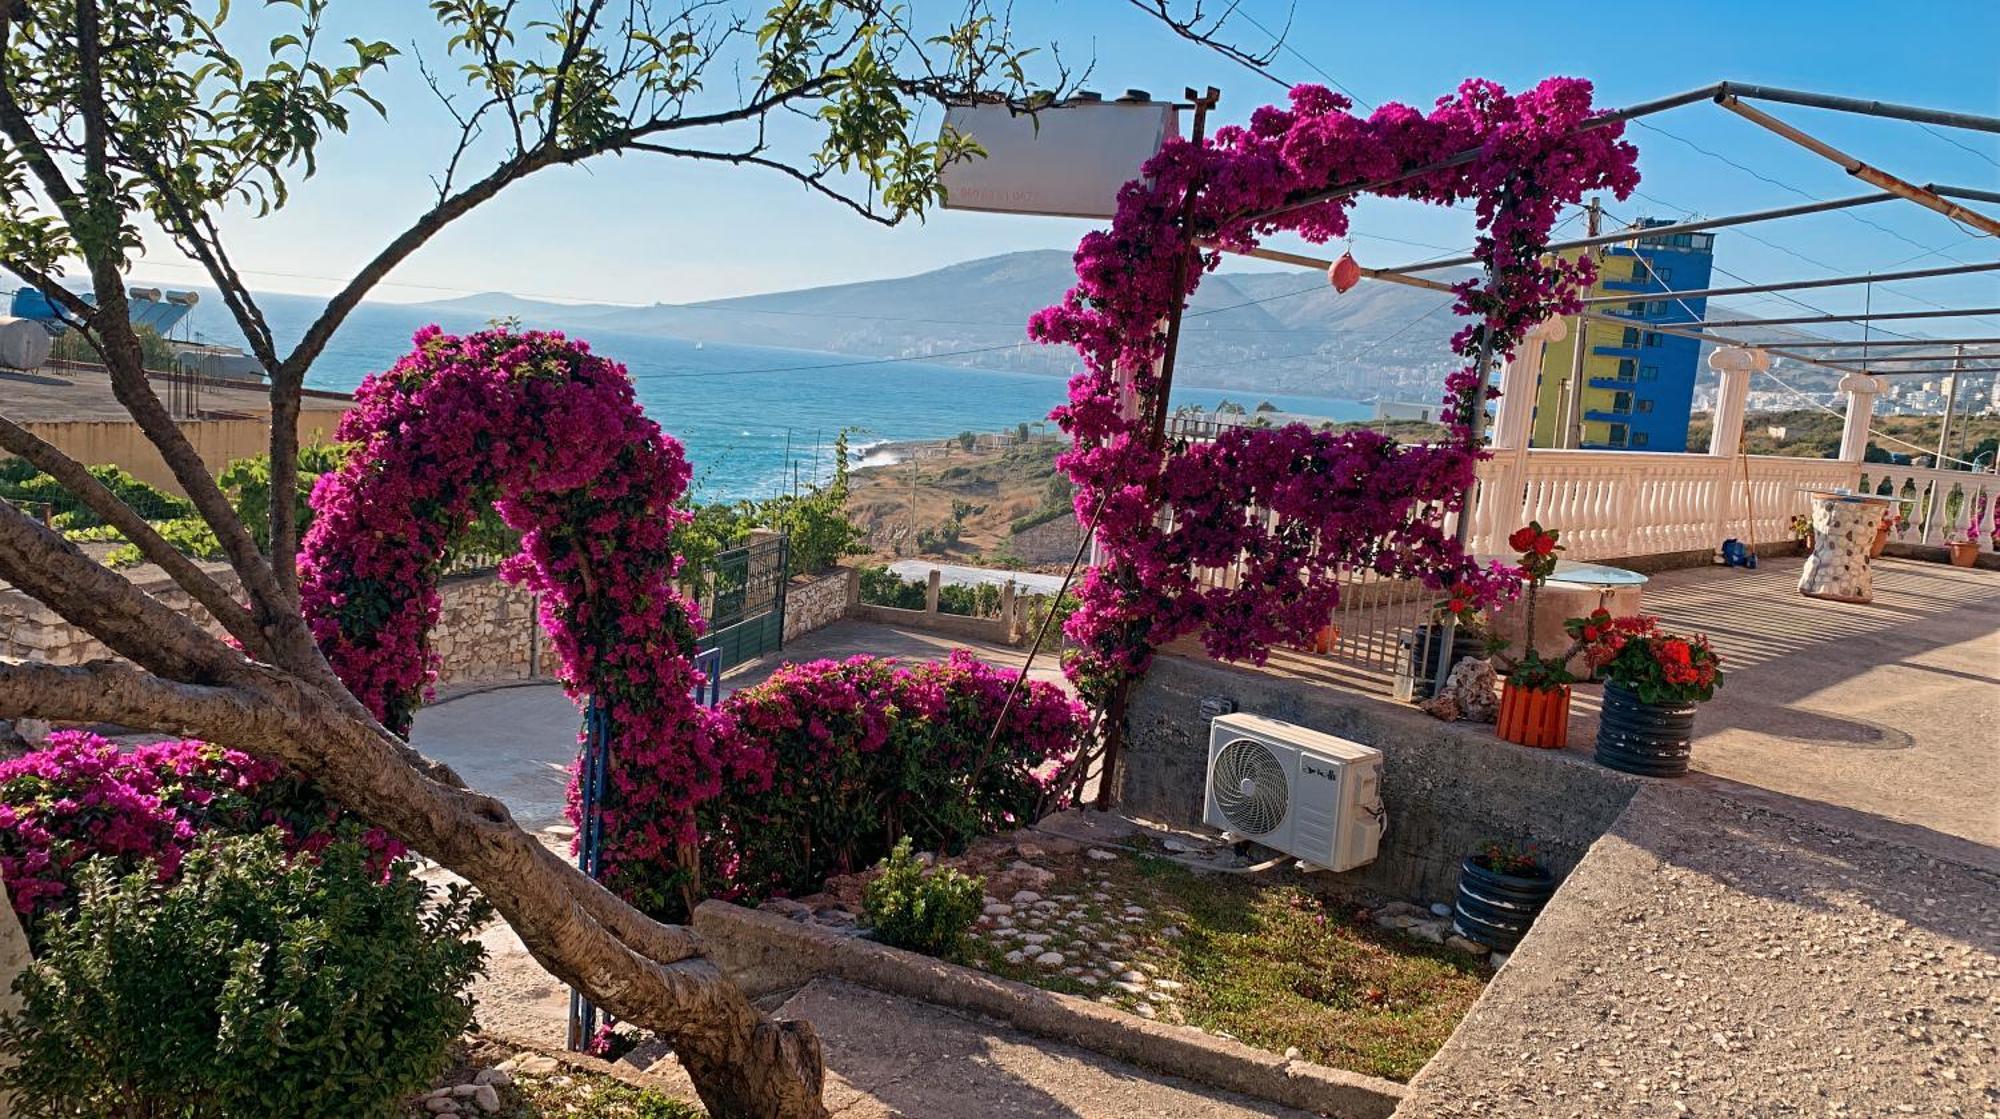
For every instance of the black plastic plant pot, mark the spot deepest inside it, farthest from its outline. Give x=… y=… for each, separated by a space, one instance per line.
x=1424 y=648
x=1649 y=739
x=1496 y=909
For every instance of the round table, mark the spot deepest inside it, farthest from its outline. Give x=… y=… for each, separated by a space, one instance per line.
x=1573 y=591
x=1844 y=527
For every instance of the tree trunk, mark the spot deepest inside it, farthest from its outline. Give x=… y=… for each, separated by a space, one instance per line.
x=187 y=682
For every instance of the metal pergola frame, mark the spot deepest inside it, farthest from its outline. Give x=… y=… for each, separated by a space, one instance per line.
x=1735 y=97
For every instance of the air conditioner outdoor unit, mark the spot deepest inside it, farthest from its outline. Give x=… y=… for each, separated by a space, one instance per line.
x=1310 y=795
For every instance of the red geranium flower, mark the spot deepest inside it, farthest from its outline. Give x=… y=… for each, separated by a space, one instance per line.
x=1544 y=544
x=1523 y=538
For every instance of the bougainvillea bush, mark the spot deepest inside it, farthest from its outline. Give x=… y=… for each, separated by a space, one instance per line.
x=81 y=796
x=1335 y=501
x=850 y=756
x=536 y=426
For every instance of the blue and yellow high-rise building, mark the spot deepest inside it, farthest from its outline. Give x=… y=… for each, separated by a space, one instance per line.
x=1637 y=384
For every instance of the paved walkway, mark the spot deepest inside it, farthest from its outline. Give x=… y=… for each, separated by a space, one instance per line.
x=893 y=1057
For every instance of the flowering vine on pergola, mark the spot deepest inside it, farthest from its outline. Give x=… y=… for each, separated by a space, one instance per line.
x=1290 y=506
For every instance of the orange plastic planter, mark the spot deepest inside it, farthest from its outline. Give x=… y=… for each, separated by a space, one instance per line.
x=1535 y=716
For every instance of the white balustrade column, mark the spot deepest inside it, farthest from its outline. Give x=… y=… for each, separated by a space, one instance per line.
x=1505 y=479
x=1734 y=365
x=1518 y=384
x=1861 y=391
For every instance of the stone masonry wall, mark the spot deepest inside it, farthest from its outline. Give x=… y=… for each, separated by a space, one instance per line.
x=32 y=632
x=487 y=632
x=1052 y=541
x=1446 y=787
x=815 y=601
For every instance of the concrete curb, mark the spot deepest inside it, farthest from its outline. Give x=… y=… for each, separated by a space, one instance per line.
x=766 y=952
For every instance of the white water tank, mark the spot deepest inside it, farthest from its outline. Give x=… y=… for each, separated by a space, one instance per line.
x=24 y=343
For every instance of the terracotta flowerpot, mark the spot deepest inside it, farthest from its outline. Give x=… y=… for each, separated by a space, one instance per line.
x=1324 y=640
x=1534 y=716
x=1964 y=553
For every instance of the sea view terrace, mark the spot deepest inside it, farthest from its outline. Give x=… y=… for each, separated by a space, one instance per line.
x=630 y=719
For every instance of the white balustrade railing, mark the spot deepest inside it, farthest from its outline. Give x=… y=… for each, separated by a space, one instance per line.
x=1935 y=505
x=1618 y=504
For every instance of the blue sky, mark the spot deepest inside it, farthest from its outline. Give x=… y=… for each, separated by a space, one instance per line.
x=644 y=229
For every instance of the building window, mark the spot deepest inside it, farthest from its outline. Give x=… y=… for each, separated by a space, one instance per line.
x=1644 y=407
x=1617 y=435
x=1639 y=439
x=1631 y=338
x=1652 y=339
x=1663 y=274
x=1625 y=368
x=1621 y=403
x=1649 y=372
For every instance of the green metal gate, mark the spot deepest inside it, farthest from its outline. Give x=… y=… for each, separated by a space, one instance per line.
x=747 y=616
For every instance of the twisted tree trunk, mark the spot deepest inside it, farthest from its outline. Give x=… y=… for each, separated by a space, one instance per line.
x=181 y=680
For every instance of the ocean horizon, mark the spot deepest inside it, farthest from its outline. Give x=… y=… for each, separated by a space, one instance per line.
x=749 y=416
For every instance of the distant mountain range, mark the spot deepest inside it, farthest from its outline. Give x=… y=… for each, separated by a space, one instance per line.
x=1277 y=331
x=1245 y=331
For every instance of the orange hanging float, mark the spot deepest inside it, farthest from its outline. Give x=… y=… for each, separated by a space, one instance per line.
x=1345 y=273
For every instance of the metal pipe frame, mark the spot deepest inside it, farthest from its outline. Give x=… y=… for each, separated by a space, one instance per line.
x=1634 y=234
x=1801 y=285
x=1930 y=372
x=1682 y=331
x=1892 y=343
x=1901 y=358
x=1922 y=196
x=1866 y=316
x=1855 y=105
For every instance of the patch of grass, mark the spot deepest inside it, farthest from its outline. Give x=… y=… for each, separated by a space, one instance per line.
x=1274 y=965
x=586 y=1096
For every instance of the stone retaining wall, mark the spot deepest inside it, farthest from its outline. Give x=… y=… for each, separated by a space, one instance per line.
x=1052 y=541
x=487 y=632
x=30 y=631
x=1446 y=786
x=816 y=601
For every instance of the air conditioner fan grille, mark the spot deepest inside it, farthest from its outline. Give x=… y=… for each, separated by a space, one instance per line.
x=1249 y=787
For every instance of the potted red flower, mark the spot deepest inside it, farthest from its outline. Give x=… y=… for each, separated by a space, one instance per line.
x=1534 y=700
x=1652 y=682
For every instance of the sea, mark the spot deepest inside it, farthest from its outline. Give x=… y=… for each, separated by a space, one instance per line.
x=756 y=421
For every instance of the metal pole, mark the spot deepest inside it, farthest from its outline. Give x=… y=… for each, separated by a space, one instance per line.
x=1477 y=422
x=1114 y=720
x=1885 y=343
x=1866 y=316
x=1570 y=418
x=1922 y=196
x=1950 y=405
x=1855 y=105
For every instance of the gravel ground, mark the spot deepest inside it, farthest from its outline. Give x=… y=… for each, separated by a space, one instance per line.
x=1715 y=958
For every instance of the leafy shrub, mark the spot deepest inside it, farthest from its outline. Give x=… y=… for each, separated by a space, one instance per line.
x=883 y=587
x=978 y=601
x=853 y=755
x=80 y=796
x=254 y=986
x=923 y=910
x=22 y=484
x=190 y=536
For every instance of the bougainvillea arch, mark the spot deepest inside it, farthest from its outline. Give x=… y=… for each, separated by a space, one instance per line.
x=551 y=436
x=1293 y=507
